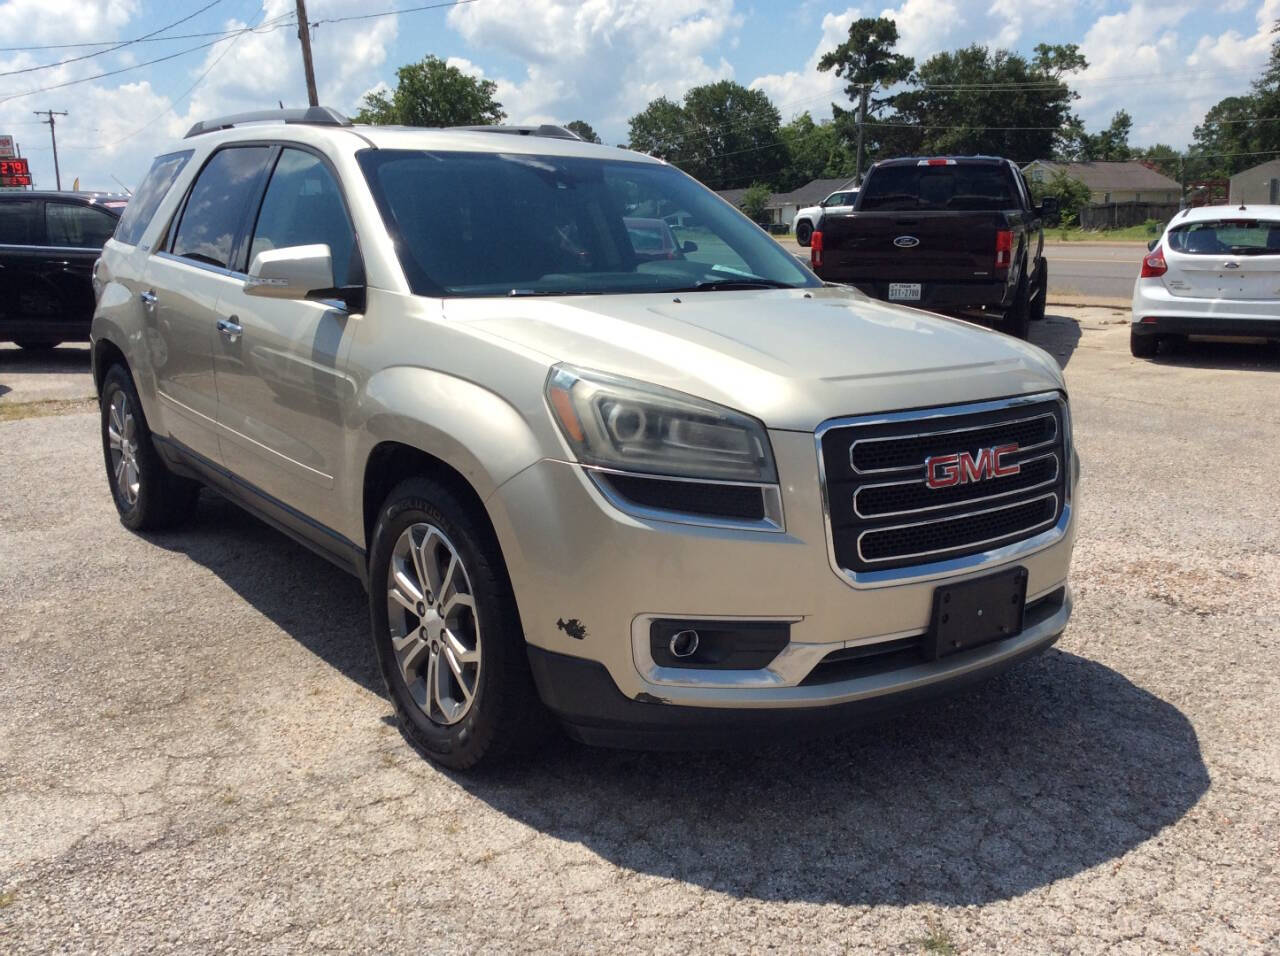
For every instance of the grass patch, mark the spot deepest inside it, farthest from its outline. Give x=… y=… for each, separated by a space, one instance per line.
x=13 y=411
x=938 y=940
x=1131 y=234
x=7 y=898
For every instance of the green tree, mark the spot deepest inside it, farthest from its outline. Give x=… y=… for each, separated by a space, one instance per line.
x=1072 y=195
x=1163 y=158
x=814 y=151
x=1110 y=145
x=1230 y=133
x=754 y=201
x=432 y=93
x=722 y=134
x=975 y=100
x=583 y=129
x=866 y=61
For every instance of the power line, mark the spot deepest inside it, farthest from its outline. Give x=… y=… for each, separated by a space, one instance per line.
x=391 y=13
x=113 y=49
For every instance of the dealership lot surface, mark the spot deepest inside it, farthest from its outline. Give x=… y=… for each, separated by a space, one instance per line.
x=194 y=752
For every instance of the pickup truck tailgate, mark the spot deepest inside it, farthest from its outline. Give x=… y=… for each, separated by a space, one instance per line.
x=910 y=247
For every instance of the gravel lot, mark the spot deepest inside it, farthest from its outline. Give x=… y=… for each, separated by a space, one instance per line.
x=195 y=754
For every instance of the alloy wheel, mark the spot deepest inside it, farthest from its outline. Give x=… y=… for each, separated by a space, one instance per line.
x=122 y=436
x=434 y=628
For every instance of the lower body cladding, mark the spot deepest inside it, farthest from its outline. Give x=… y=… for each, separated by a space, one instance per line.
x=659 y=633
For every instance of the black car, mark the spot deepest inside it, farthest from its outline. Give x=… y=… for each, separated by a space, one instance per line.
x=49 y=242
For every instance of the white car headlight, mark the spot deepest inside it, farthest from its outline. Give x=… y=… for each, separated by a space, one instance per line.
x=615 y=422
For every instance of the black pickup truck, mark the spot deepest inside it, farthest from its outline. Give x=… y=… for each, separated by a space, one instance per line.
x=955 y=234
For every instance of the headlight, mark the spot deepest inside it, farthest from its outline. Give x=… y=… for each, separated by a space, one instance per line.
x=615 y=422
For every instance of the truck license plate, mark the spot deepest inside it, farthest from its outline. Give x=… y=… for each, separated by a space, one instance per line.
x=976 y=612
x=904 y=291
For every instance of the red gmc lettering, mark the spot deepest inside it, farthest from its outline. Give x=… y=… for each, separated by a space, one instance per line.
x=943 y=471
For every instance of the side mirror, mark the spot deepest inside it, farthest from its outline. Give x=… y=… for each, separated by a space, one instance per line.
x=823 y=204
x=1151 y=245
x=688 y=246
x=294 y=272
x=1049 y=207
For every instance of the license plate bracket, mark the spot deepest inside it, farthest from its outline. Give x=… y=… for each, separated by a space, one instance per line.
x=904 y=291
x=972 y=613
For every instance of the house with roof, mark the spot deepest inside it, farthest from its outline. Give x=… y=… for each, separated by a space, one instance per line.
x=1111 y=182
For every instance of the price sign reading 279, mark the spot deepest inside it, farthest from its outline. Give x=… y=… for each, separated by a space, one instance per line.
x=14 y=172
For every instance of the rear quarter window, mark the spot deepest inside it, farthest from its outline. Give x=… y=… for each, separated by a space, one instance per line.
x=20 y=222
x=143 y=204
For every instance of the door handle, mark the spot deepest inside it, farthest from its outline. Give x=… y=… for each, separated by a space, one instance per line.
x=148 y=298
x=231 y=328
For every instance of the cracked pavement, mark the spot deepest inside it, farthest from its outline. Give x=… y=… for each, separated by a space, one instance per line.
x=195 y=753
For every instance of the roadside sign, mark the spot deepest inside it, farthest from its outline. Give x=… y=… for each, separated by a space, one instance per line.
x=7 y=150
x=14 y=172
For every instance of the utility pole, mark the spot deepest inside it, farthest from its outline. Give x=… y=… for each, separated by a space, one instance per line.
x=53 y=135
x=862 y=118
x=304 y=34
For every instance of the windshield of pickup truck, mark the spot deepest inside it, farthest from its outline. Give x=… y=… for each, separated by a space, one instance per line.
x=973 y=188
x=1227 y=237
x=488 y=224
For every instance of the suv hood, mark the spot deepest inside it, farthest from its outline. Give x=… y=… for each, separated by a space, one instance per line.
x=792 y=358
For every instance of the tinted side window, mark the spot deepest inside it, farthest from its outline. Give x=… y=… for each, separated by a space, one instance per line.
x=144 y=203
x=20 y=222
x=216 y=207
x=302 y=206
x=72 y=224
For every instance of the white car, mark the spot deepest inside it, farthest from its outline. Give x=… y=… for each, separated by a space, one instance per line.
x=1215 y=271
x=841 y=200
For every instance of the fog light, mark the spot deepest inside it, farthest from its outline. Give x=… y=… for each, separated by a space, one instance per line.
x=683 y=644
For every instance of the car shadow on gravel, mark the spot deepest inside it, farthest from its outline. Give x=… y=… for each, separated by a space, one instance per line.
x=320 y=606
x=1221 y=356
x=1058 y=335
x=64 y=358
x=1058 y=766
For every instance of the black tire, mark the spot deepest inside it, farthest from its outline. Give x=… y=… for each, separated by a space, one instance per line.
x=804 y=232
x=37 y=345
x=1017 y=321
x=1142 y=346
x=161 y=499
x=504 y=718
x=1040 y=297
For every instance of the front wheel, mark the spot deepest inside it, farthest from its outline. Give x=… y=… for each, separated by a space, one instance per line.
x=446 y=631
x=147 y=494
x=804 y=232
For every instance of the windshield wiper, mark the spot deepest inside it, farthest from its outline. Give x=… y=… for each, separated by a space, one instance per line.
x=707 y=285
x=522 y=293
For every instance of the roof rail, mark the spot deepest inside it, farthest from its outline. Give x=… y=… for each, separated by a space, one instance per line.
x=546 y=129
x=312 y=115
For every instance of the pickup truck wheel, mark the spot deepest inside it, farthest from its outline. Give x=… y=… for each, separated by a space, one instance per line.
x=147 y=494
x=1017 y=321
x=447 y=633
x=1040 y=297
x=804 y=232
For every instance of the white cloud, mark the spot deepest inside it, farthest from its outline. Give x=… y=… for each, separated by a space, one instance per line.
x=925 y=26
x=598 y=60
x=796 y=91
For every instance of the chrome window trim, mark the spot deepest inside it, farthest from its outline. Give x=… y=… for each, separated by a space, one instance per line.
x=1057 y=473
x=196 y=264
x=772 y=522
x=21 y=247
x=946 y=431
x=950 y=566
x=959 y=517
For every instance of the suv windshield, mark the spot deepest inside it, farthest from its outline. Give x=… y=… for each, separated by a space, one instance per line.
x=975 y=187
x=1231 y=237
x=482 y=224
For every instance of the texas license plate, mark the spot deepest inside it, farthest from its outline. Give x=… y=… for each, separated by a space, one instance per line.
x=904 y=291
x=976 y=612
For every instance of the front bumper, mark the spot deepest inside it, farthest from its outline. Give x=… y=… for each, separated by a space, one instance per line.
x=588 y=579
x=1156 y=311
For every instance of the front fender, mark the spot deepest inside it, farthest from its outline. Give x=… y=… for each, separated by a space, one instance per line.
x=426 y=409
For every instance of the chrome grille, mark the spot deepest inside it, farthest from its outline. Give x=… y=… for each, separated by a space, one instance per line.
x=883 y=515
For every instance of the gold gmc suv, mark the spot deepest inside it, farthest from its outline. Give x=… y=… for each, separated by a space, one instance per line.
x=657 y=481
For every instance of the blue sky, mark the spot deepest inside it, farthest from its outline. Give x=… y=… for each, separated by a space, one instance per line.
x=557 y=60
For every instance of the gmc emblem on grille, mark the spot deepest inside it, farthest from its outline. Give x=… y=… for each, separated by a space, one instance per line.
x=961 y=468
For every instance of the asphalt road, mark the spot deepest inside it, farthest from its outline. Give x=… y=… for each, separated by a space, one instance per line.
x=195 y=754
x=1093 y=270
